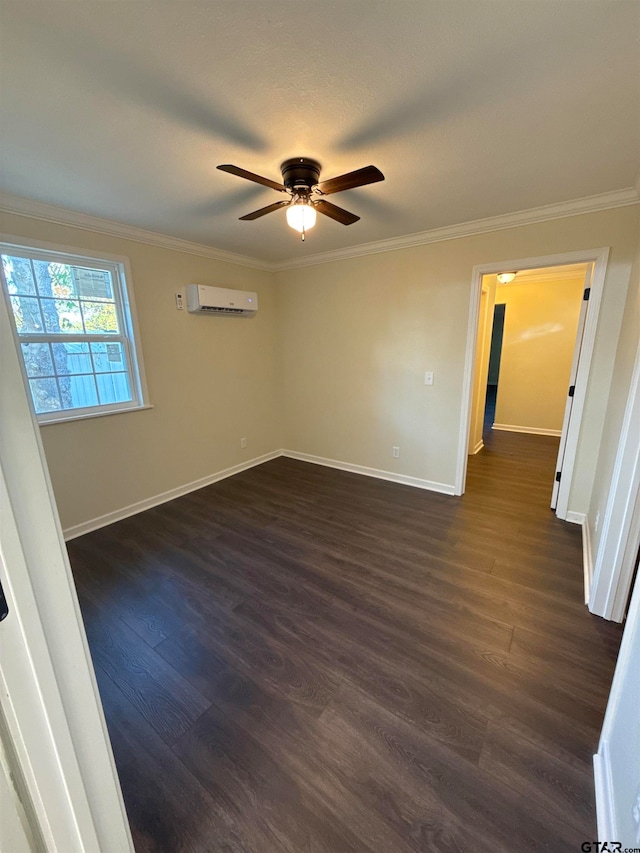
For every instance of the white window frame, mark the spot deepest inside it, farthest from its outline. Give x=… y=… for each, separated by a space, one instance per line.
x=121 y=278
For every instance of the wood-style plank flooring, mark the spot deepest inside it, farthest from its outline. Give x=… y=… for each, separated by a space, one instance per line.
x=302 y=660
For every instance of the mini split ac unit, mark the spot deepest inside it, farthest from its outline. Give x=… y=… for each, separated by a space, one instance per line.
x=220 y=300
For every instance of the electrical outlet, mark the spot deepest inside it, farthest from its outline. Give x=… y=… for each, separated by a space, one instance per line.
x=179 y=301
x=396 y=452
x=243 y=442
x=428 y=377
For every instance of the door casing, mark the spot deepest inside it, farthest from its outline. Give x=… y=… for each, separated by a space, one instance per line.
x=48 y=693
x=599 y=258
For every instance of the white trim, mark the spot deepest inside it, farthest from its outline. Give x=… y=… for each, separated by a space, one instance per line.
x=92 y=414
x=128 y=295
x=140 y=506
x=599 y=258
x=605 y=803
x=576 y=517
x=60 y=215
x=473 y=324
x=619 y=720
x=590 y=204
x=51 y=703
x=63 y=216
x=33 y=708
x=404 y=479
x=530 y=430
x=618 y=546
x=587 y=559
x=582 y=519
x=477 y=448
x=19 y=828
x=126 y=307
x=58 y=416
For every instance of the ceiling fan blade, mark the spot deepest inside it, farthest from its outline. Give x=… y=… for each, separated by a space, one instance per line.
x=250 y=176
x=359 y=178
x=335 y=212
x=264 y=210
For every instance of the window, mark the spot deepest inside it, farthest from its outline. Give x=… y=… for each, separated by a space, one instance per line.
x=75 y=330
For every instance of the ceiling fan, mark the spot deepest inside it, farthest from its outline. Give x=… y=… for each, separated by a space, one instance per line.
x=300 y=181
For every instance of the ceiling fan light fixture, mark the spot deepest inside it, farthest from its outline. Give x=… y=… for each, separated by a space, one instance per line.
x=506 y=277
x=301 y=215
x=300 y=177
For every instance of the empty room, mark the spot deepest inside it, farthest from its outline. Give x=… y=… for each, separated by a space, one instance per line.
x=320 y=426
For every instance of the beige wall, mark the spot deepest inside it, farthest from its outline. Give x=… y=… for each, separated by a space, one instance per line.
x=211 y=381
x=357 y=336
x=540 y=326
x=333 y=364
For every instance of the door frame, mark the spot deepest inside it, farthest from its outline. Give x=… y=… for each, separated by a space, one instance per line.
x=48 y=693
x=620 y=536
x=617 y=717
x=599 y=258
x=479 y=396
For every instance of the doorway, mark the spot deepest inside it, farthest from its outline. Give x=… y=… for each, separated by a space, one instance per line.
x=514 y=397
x=538 y=315
x=544 y=325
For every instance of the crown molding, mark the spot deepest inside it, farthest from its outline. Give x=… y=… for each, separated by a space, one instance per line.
x=590 y=204
x=63 y=216
x=561 y=273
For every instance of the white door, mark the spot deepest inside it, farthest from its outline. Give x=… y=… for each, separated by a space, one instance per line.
x=52 y=722
x=572 y=385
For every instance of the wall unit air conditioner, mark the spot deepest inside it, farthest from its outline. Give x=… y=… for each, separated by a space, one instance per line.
x=220 y=300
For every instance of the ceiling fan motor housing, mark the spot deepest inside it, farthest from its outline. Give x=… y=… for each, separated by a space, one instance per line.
x=300 y=173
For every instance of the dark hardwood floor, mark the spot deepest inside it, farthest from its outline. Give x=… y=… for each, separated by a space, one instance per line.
x=302 y=660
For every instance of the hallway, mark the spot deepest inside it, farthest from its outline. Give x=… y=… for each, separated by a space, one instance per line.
x=301 y=659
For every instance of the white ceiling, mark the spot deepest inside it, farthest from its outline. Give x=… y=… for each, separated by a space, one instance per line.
x=471 y=109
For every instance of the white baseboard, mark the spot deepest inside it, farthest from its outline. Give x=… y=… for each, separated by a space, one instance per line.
x=605 y=808
x=587 y=560
x=406 y=480
x=530 y=430
x=587 y=554
x=140 y=506
x=575 y=517
x=477 y=448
